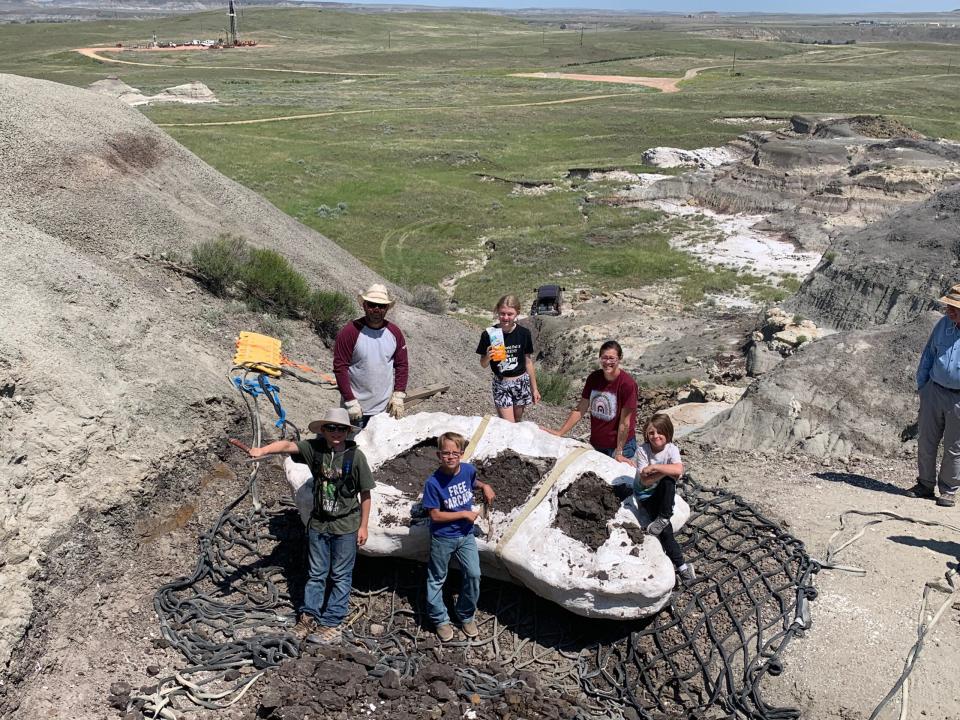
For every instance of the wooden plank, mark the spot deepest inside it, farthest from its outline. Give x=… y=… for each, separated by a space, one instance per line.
x=426 y=391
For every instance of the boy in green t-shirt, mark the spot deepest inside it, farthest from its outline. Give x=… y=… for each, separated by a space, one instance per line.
x=338 y=523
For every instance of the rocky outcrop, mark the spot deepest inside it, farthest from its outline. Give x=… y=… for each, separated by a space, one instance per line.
x=888 y=272
x=827 y=175
x=846 y=394
x=777 y=337
x=191 y=92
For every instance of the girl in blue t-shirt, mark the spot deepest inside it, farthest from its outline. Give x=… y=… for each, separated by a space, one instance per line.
x=655 y=487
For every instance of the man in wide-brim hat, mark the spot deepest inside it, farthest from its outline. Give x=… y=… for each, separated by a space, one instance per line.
x=370 y=360
x=938 y=381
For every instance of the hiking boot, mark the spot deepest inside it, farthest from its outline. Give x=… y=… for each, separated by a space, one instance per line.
x=326 y=635
x=445 y=632
x=687 y=575
x=920 y=491
x=658 y=526
x=306 y=624
x=470 y=629
x=947 y=499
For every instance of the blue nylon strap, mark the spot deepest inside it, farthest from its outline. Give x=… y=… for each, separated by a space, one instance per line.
x=261 y=386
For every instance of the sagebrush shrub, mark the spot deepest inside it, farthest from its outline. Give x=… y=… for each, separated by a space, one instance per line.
x=327 y=311
x=428 y=298
x=219 y=262
x=554 y=388
x=272 y=283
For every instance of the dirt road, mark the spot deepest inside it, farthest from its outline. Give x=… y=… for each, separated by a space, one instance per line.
x=667 y=85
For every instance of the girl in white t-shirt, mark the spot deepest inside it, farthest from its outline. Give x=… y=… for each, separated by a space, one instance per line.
x=655 y=486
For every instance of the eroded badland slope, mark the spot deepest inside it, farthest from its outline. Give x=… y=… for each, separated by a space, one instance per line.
x=111 y=365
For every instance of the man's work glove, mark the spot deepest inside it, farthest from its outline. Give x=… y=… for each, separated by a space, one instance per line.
x=354 y=411
x=395 y=406
x=658 y=526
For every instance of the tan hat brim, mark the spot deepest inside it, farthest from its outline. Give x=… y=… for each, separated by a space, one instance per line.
x=316 y=426
x=951 y=300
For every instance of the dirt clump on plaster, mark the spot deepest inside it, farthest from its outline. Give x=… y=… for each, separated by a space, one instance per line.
x=513 y=476
x=408 y=471
x=584 y=509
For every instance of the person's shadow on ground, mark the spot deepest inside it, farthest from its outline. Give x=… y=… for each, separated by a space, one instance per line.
x=860 y=481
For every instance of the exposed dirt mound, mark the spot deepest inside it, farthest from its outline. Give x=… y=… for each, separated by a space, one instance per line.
x=511 y=474
x=875 y=126
x=513 y=477
x=584 y=509
x=409 y=470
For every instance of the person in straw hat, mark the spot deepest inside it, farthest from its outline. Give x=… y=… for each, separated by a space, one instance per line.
x=338 y=523
x=370 y=360
x=938 y=381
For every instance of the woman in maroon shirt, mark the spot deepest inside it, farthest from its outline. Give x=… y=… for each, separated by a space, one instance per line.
x=610 y=396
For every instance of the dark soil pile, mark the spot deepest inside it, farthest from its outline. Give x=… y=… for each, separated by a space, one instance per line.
x=585 y=508
x=347 y=682
x=513 y=477
x=409 y=470
x=391 y=665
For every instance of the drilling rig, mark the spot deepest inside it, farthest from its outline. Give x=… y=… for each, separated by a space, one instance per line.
x=232 y=39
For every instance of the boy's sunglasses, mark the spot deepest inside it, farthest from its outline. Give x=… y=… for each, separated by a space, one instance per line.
x=449 y=453
x=328 y=427
x=377 y=306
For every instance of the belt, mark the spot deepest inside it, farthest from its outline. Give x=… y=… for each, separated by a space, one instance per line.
x=944 y=387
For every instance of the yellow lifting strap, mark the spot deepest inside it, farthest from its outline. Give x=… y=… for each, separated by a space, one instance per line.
x=258 y=352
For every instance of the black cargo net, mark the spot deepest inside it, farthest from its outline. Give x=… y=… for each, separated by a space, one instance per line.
x=704 y=655
x=712 y=645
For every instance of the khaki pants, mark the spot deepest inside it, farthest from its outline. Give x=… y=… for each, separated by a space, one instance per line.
x=939 y=419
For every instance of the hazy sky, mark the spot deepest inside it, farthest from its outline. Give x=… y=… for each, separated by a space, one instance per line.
x=770 y=6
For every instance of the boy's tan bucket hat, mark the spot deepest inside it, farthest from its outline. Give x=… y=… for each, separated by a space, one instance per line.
x=376 y=293
x=952 y=297
x=335 y=416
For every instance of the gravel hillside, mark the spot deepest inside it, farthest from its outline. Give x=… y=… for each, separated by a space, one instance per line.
x=111 y=365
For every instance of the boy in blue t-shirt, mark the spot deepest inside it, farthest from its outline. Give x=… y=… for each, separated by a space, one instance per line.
x=448 y=497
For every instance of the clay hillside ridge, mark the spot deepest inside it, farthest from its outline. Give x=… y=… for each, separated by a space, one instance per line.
x=111 y=365
x=854 y=392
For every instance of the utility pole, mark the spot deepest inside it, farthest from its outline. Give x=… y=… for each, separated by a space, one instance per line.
x=477 y=40
x=733 y=68
x=388 y=39
x=581 y=36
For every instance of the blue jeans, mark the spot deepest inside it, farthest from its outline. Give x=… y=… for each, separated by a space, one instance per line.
x=330 y=556
x=629 y=449
x=465 y=550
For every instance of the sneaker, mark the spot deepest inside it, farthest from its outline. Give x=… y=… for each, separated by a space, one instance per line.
x=687 y=575
x=326 y=635
x=470 y=629
x=445 y=632
x=947 y=499
x=920 y=491
x=306 y=625
x=658 y=526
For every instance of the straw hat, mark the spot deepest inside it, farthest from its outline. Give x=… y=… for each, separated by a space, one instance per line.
x=952 y=297
x=376 y=294
x=335 y=416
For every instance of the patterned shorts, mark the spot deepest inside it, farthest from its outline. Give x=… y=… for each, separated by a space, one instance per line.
x=508 y=392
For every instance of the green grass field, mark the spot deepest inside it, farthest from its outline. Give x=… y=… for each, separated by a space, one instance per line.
x=407 y=141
